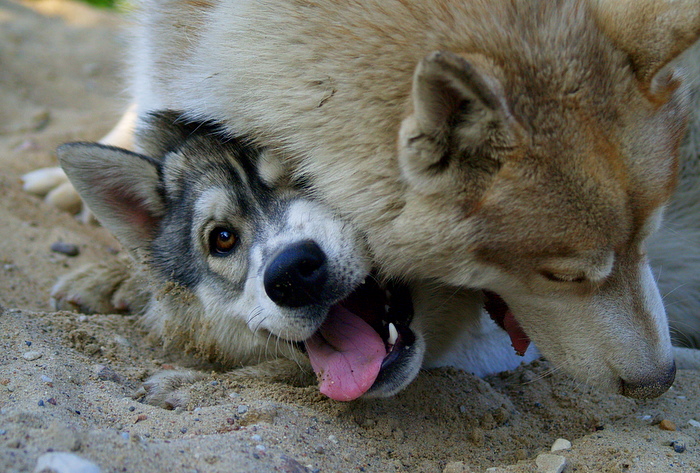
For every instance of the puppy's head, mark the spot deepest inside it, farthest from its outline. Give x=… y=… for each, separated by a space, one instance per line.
x=266 y=271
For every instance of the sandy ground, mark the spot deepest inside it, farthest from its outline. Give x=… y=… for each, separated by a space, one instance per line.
x=66 y=380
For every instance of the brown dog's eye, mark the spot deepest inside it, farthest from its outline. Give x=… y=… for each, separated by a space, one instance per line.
x=563 y=277
x=222 y=241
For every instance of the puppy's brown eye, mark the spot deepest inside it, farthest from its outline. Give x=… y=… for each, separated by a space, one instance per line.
x=222 y=241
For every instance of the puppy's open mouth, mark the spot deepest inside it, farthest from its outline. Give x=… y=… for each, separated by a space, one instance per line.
x=363 y=335
x=502 y=315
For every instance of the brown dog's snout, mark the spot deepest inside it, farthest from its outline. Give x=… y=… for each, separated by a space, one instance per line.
x=650 y=386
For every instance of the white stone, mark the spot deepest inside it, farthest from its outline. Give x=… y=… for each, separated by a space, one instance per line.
x=31 y=355
x=456 y=467
x=548 y=463
x=694 y=423
x=63 y=462
x=561 y=444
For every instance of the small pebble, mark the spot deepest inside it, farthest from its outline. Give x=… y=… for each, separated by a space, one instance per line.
x=32 y=355
x=68 y=249
x=678 y=446
x=561 y=444
x=46 y=379
x=105 y=373
x=28 y=343
x=242 y=409
x=63 y=462
x=694 y=423
x=40 y=403
x=290 y=465
x=183 y=430
x=477 y=437
x=656 y=419
x=488 y=422
x=123 y=341
x=260 y=448
x=501 y=415
x=125 y=435
x=256 y=438
x=456 y=467
x=667 y=425
x=132 y=408
x=27 y=145
x=3 y=431
x=40 y=120
x=548 y=463
x=521 y=454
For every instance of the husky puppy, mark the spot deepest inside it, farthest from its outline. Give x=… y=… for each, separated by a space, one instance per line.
x=520 y=151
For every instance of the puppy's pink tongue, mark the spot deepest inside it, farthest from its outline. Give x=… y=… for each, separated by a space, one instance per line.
x=346 y=355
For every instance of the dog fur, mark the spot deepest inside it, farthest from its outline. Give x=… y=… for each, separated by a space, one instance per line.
x=524 y=148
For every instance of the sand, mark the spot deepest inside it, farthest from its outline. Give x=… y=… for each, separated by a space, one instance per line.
x=67 y=381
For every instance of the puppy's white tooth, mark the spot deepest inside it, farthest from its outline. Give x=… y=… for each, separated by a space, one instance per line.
x=393 y=334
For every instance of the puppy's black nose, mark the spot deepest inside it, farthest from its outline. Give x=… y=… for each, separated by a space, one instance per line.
x=296 y=275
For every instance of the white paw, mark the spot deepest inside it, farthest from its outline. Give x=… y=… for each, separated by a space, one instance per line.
x=54 y=186
x=42 y=181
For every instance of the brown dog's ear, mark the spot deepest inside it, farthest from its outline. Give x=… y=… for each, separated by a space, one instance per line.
x=120 y=187
x=459 y=114
x=651 y=32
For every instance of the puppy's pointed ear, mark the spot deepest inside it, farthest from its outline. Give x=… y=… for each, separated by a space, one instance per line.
x=119 y=186
x=651 y=32
x=459 y=116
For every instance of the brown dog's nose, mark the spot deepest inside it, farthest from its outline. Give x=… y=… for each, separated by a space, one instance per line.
x=650 y=386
